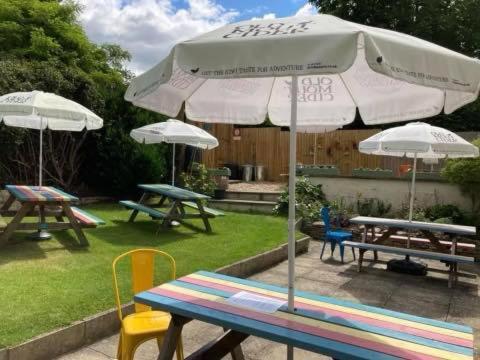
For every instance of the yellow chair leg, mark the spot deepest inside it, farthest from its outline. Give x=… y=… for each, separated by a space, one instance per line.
x=180 y=349
x=119 y=348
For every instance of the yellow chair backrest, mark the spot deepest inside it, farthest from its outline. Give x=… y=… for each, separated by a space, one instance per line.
x=142 y=271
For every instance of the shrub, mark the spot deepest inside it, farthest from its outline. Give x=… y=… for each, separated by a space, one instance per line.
x=373 y=207
x=199 y=180
x=466 y=174
x=441 y=211
x=309 y=200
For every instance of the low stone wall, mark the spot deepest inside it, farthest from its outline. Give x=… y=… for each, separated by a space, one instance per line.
x=395 y=191
x=91 y=329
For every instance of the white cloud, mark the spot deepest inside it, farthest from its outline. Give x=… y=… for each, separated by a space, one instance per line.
x=149 y=28
x=307 y=10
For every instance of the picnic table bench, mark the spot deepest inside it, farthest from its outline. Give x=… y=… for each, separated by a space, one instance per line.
x=324 y=325
x=178 y=199
x=44 y=202
x=444 y=251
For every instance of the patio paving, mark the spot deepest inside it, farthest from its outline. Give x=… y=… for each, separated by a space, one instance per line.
x=426 y=296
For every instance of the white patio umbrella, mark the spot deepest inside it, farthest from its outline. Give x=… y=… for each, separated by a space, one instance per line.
x=40 y=110
x=309 y=71
x=418 y=140
x=174 y=132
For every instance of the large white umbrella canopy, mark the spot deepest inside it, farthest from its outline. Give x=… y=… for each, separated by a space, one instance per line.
x=418 y=140
x=41 y=110
x=174 y=132
x=310 y=71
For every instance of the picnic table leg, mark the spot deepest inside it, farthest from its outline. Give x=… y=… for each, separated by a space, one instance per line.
x=142 y=200
x=75 y=224
x=360 y=259
x=204 y=216
x=12 y=225
x=220 y=347
x=170 y=214
x=8 y=203
x=172 y=337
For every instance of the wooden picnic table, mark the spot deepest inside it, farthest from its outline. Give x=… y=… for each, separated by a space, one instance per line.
x=43 y=202
x=178 y=199
x=430 y=231
x=332 y=327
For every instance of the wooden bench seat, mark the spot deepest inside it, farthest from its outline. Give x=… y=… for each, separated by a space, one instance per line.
x=85 y=218
x=209 y=211
x=412 y=252
x=452 y=260
x=153 y=213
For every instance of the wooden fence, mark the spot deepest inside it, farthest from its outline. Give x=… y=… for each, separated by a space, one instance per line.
x=269 y=147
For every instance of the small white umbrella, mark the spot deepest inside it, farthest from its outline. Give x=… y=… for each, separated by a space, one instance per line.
x=174 y=132
x=40 y=110
x=307 y=71
x=418 y=140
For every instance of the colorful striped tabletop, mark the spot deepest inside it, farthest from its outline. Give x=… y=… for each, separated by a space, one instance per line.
x=333 y=327
x=27 y=193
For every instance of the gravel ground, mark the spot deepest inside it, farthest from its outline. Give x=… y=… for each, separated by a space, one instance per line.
x=260 y=186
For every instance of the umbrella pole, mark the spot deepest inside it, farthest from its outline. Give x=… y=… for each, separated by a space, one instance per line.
x=412 y=196
x=40 y=157
x=173 y=165
x=291 y=201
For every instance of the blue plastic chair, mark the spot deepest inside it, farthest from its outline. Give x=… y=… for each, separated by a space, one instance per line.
x=334 y=236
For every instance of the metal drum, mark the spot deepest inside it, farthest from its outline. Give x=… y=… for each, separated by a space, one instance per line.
x=247 y=172
x=259 y=173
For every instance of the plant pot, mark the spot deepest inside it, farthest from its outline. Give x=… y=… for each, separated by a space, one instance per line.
x=219 y=194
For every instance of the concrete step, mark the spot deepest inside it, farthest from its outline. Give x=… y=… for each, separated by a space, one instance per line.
x=252 y=196
x=264 y=207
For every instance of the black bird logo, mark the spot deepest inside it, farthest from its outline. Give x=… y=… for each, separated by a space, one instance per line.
x=194 y=71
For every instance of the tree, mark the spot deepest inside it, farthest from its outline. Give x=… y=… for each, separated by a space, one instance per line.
x=466 y=174
x=450 y=23
x=43 y=47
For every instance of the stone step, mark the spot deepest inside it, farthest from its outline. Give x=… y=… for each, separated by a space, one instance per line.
x=252 y=196
x=264 y=207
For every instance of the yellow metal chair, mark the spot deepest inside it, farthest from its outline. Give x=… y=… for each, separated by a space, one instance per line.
x=144 y=324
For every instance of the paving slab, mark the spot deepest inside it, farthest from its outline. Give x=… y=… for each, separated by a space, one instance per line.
x=427 y=296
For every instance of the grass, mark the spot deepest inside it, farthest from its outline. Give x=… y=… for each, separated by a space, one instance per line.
x=49 y=284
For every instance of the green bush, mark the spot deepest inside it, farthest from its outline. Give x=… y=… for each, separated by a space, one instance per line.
x=441 y=211
x=199 y=180
x=309 y=200
x=466 y=174
x=373 y=207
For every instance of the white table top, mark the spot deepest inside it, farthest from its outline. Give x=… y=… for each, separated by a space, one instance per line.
x=418 y=225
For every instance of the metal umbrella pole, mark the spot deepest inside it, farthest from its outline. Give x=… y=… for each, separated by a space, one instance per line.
x=40 y=234
x=291 y=202
x=173 y=165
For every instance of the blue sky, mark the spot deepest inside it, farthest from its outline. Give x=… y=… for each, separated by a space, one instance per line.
x=249 y=8
x=148 y=29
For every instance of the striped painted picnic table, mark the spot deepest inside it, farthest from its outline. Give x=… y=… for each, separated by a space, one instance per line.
x=41 y=194
x=51 y=202
x=329 y=326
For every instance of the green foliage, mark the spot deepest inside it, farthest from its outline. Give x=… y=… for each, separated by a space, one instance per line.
x=309 y=200
x=453 y=24
x=466 y=174
x=444 y=212
x=43 y=47
x=373 y=207
x=199 y=180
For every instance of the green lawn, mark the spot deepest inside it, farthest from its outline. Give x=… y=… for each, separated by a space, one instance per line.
x=45 y=285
